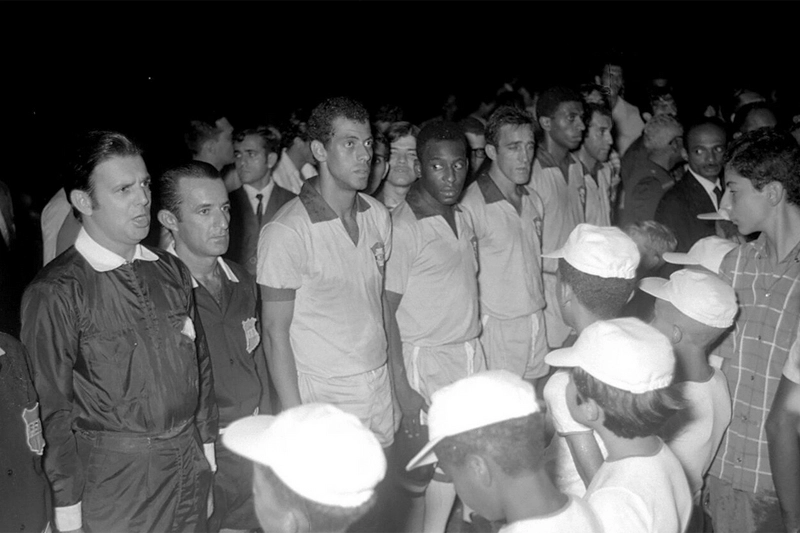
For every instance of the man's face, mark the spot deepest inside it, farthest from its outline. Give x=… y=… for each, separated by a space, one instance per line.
x=403 y=153
x=349 y=154
x=225 y=141
x=477 y=151
x=514 y=153
x=566 y=126
x=598 y=137
x=205 y=215
x=443 y=168
x=121 y=212
x=251 y=161
x=706 y=147
x=747 y=207
x=380 y=166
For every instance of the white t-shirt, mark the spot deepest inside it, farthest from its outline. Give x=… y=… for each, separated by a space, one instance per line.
x=642 y=494
x=576 y=517
x=560 y=462
x=695 y=433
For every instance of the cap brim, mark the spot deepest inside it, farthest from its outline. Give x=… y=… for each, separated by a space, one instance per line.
x=677 y=258
x=654 y=286
x=715 y=215
x=426 y=456
x=245 y=436
x=564 y=357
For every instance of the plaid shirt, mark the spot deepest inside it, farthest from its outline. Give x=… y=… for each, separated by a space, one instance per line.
x=769 y=298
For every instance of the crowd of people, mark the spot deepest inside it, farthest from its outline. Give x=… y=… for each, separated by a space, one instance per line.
x=559 y=312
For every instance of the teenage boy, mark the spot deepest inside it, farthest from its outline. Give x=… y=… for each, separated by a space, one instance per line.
x=315 y=467
x=620 y=386
x=693 y=309
x=486 y=431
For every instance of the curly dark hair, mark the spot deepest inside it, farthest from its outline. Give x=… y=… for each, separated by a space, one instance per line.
x=320 y=124
x=766 y=155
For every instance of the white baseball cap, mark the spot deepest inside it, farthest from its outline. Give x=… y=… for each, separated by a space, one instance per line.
x=625 y=353
x=316 y=449
x=473 y=402
x=707 y=252
x=697 y=294
x=604 y=251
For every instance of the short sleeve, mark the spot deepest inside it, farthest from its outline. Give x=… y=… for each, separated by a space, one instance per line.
x=398 y=267
x=620 y=510
x=791 y=370
x=555 y=396
x=281 y=257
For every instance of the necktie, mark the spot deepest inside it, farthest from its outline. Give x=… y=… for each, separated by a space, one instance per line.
x=718 y=193
x=259 y=213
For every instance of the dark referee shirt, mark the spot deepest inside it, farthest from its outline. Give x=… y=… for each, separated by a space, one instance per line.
x=114 y=346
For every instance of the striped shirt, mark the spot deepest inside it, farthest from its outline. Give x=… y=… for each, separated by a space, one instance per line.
x=756 y=351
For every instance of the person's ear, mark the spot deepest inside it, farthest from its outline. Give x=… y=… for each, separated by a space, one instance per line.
x=417 y=168
x=479 y=469
x=491 y=152
x=684 y=153
x=272 y=159
x=82 y=201
x=591 y=410
x=545 y=123
x=385 y=171
x=168 y=219
x=775 y=192
x=294 y=521
x=318 y=151
x=677 y=335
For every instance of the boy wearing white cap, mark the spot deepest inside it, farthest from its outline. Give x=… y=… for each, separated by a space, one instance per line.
x=620 y=386
x=596 y=276
x=315 y=467
x=486 y=431
x=693 y=309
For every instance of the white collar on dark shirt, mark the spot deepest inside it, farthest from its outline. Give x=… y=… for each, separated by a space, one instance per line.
x=104 y=260
x=221 y=262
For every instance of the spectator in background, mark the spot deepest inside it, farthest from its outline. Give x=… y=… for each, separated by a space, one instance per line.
x=295 y=164
x=380 y=161
x=475 y=130
x=402 y=139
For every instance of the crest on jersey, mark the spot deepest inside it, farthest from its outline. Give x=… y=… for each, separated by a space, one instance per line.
x=537 y=224
x=251 y=334
x=474 y=241
x=379 y=252
x=33 y=429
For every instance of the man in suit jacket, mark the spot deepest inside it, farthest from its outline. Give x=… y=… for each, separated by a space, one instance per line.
x=700 y=189
x=253 y=204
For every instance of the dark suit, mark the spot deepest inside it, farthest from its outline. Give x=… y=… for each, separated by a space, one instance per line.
x=678 y=210
x=244 y=228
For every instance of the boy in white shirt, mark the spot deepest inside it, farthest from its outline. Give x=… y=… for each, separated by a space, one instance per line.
x=693 y=309
x=486 y=431
x=620 y=386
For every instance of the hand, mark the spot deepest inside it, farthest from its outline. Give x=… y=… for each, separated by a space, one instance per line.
x=411 y=403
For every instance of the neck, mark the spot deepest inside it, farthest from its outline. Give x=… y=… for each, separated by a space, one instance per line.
x=530 y=496
x=261 y=183
x=394 y=194
x=692 y=364
x=620 y=447
x=200 y=267
x=586 y=158
x=783 y=232
x=342 y=201
x=506 y=186
x=558 y=152
x=441 y=209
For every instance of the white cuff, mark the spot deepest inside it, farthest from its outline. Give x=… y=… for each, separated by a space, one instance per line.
x=211 y=455
x=69 y=518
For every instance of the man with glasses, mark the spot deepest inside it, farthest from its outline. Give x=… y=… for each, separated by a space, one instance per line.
x=649 y=180
x=475 y=132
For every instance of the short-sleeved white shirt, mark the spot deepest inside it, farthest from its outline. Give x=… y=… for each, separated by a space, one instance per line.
x=598 y=195
x=695 y=433
x=337 y=327
x=559 y=458
x=436 y=273
x=576 y=517
x=646 y=494
x=509 y=249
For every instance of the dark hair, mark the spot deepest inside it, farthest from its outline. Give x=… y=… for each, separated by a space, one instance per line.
x=604 y=297
x=508 y=98
x=200 y=132
x=516 y=445
x=505 y=116
x=586 y=89
x=168 y=185
x=296 y=126
x=767 y=155
x=92 y=149
x=472 y=125
x=269 y=136
x=321 y=517
x=320 y=125
x=440 y=130
x=744 y=111
x=389 y=113
x=378 y=137
x=590 y=108
x=628 y=415
x=550 y=99
x=700 y=122
x=398 y=130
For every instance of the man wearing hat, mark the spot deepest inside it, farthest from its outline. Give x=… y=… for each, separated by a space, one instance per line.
x=315 y=467
x=596 y=276
x=486 y=431
x=620 y=386
x=693 y=309
x=707 y=252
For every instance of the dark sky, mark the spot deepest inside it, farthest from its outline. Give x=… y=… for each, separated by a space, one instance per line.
x=145 y=67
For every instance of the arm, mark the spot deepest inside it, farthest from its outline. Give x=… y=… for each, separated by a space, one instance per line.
x=207 y=414
x=277 y=309
x=783 y=431
x=586 y=454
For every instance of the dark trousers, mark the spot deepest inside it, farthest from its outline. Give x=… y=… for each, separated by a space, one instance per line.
x=136 y=483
